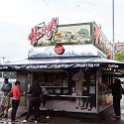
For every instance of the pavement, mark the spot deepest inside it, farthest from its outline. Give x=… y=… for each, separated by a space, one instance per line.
x=64 y=120
x=21 y=114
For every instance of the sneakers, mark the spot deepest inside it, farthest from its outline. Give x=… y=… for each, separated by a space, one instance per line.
x=12 y=121
x=6 y=116
x=24 y=121
x=1 y=115
x=47 y=116
x=35 y=121
x=117 y=117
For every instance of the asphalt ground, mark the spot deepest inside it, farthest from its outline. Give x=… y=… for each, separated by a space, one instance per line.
x=64 y=120
x=61 y=120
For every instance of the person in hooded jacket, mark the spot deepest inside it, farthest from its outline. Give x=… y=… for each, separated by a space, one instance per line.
x=117 y=95
x=34 y=103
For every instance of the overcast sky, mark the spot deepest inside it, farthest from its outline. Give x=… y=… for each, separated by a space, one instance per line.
x=17 y=17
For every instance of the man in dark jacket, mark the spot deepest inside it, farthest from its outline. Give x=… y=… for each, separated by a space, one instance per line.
x=34 y=102
x=117 y=95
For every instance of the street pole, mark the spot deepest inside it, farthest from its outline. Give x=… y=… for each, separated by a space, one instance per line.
x=113 y=46
x=3 y=60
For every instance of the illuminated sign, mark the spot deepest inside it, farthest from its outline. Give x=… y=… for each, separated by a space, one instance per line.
x=113 y=66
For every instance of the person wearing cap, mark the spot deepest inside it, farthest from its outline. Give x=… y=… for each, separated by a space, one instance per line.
x=5 y=100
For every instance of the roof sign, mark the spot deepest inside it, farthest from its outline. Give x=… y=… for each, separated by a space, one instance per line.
x=41 y=30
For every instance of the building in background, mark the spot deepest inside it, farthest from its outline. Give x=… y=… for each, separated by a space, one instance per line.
x=119 y=46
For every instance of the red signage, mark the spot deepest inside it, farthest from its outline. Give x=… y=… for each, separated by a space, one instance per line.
x=97 y=33
x=41 y=29
x=59 y=49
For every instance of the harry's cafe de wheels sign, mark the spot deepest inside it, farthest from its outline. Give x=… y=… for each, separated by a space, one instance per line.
x=53 y=35
x=41 y=31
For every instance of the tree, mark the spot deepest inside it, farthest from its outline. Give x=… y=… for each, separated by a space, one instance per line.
x=119 y=56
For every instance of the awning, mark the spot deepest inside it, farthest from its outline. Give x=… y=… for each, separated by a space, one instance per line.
x=61 y=63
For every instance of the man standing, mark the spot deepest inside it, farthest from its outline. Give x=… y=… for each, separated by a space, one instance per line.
x=117 y=95
x=5 y=100
x=34 y=102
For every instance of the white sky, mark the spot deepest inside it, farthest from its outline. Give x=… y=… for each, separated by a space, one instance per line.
x=17 y=17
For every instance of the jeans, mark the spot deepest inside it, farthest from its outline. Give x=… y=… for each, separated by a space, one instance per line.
x=15 y=104
x=116 y=105
x=34 y=105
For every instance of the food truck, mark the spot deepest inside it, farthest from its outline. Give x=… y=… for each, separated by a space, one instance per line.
x=73 y=66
